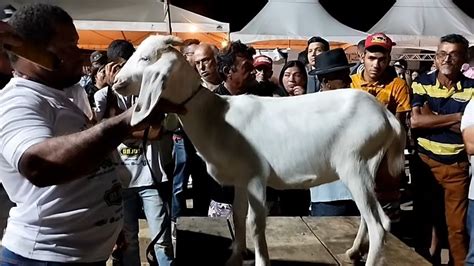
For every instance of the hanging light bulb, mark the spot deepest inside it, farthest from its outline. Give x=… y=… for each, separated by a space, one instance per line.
x=224 y=43
x=193 y=28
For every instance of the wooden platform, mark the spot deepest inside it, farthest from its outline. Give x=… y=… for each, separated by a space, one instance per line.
x=291 y=241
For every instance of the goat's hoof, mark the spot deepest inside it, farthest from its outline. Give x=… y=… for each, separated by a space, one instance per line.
x=235 y=260
x=353 y=254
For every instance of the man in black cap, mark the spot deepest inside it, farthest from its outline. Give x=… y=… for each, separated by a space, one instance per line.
x=401 y=68
x=88 y=82
x=98 y=59
x=333 y=72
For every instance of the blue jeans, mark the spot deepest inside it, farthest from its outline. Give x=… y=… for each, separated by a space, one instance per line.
x=8 y=258
x=180 y=178
x=334 y=208
x=5 y=206
x=470 y=231
x=156 y=215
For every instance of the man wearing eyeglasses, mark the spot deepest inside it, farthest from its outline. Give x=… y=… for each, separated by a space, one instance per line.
x=441 y=178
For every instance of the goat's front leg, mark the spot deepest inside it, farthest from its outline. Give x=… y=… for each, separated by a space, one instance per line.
x=358 y=248
x=359 y=181
x=240 y=209
x=257 y=220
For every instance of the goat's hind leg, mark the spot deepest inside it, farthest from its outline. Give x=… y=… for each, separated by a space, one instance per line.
x=257 y=220
x=240 y=208
x=360 y=183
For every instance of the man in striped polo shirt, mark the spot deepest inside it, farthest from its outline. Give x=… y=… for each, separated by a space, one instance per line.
x=441 y=177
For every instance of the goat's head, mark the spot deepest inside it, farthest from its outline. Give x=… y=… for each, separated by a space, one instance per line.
x=156 y=71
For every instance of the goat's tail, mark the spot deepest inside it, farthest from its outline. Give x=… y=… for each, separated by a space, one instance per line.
x=395 y=154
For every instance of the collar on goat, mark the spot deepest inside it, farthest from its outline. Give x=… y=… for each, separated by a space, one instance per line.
x=179 y=108
x=191 y=96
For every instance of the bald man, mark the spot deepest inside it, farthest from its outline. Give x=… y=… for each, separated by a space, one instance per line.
x=206 y=65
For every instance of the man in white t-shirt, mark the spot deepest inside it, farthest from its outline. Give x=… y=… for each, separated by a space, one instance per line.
x=467 y=129
x=5 y=206
x=61 y=172
x=5 y=76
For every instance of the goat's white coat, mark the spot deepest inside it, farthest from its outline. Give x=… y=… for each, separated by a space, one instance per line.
x=292 y=142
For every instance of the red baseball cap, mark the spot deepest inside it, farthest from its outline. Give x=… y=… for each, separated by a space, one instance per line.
x=262 y=60
x=379 y=39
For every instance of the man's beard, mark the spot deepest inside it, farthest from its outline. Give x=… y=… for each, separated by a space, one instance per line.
x=446 y=71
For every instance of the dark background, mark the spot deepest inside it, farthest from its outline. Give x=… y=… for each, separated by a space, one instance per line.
x=355 y=13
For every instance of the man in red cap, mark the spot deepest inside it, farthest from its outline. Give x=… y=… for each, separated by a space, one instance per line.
x=263 y=66
x=393 y=93
x=375 y=79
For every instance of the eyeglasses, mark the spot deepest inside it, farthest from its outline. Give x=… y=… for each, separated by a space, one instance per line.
x=453 y=56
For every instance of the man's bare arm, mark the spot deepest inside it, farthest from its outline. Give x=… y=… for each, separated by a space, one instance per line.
x=468 y=136
x=422 y=117
x=62 y=159
x=153 y=134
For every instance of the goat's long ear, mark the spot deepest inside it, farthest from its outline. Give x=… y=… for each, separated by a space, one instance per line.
x=153 y=82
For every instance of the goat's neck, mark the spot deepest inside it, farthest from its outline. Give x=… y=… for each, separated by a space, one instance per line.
x=204 y=114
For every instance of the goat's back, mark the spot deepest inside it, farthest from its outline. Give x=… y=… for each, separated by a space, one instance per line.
x=299 y=136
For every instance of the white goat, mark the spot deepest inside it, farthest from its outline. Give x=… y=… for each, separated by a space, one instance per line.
x=291 y=142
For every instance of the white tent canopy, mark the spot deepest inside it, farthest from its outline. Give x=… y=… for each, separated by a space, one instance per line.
x=420 y=23
x=295 y=20
x=99 y=22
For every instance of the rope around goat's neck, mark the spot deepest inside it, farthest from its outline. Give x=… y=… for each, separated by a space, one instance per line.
x=190 y=96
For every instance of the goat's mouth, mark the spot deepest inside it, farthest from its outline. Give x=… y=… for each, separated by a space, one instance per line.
x=121 y=87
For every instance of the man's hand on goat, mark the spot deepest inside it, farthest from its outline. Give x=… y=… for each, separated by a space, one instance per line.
x=153 y=120
x=154 y=133
x=154 y=124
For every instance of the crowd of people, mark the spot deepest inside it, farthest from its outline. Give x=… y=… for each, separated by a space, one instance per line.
x=76 y=177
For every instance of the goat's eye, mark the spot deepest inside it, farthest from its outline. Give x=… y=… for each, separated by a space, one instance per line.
x=145 y=58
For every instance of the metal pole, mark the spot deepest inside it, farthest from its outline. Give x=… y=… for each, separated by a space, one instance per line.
x=166 y=6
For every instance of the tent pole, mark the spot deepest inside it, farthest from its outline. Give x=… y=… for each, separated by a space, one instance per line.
x=167 y=13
